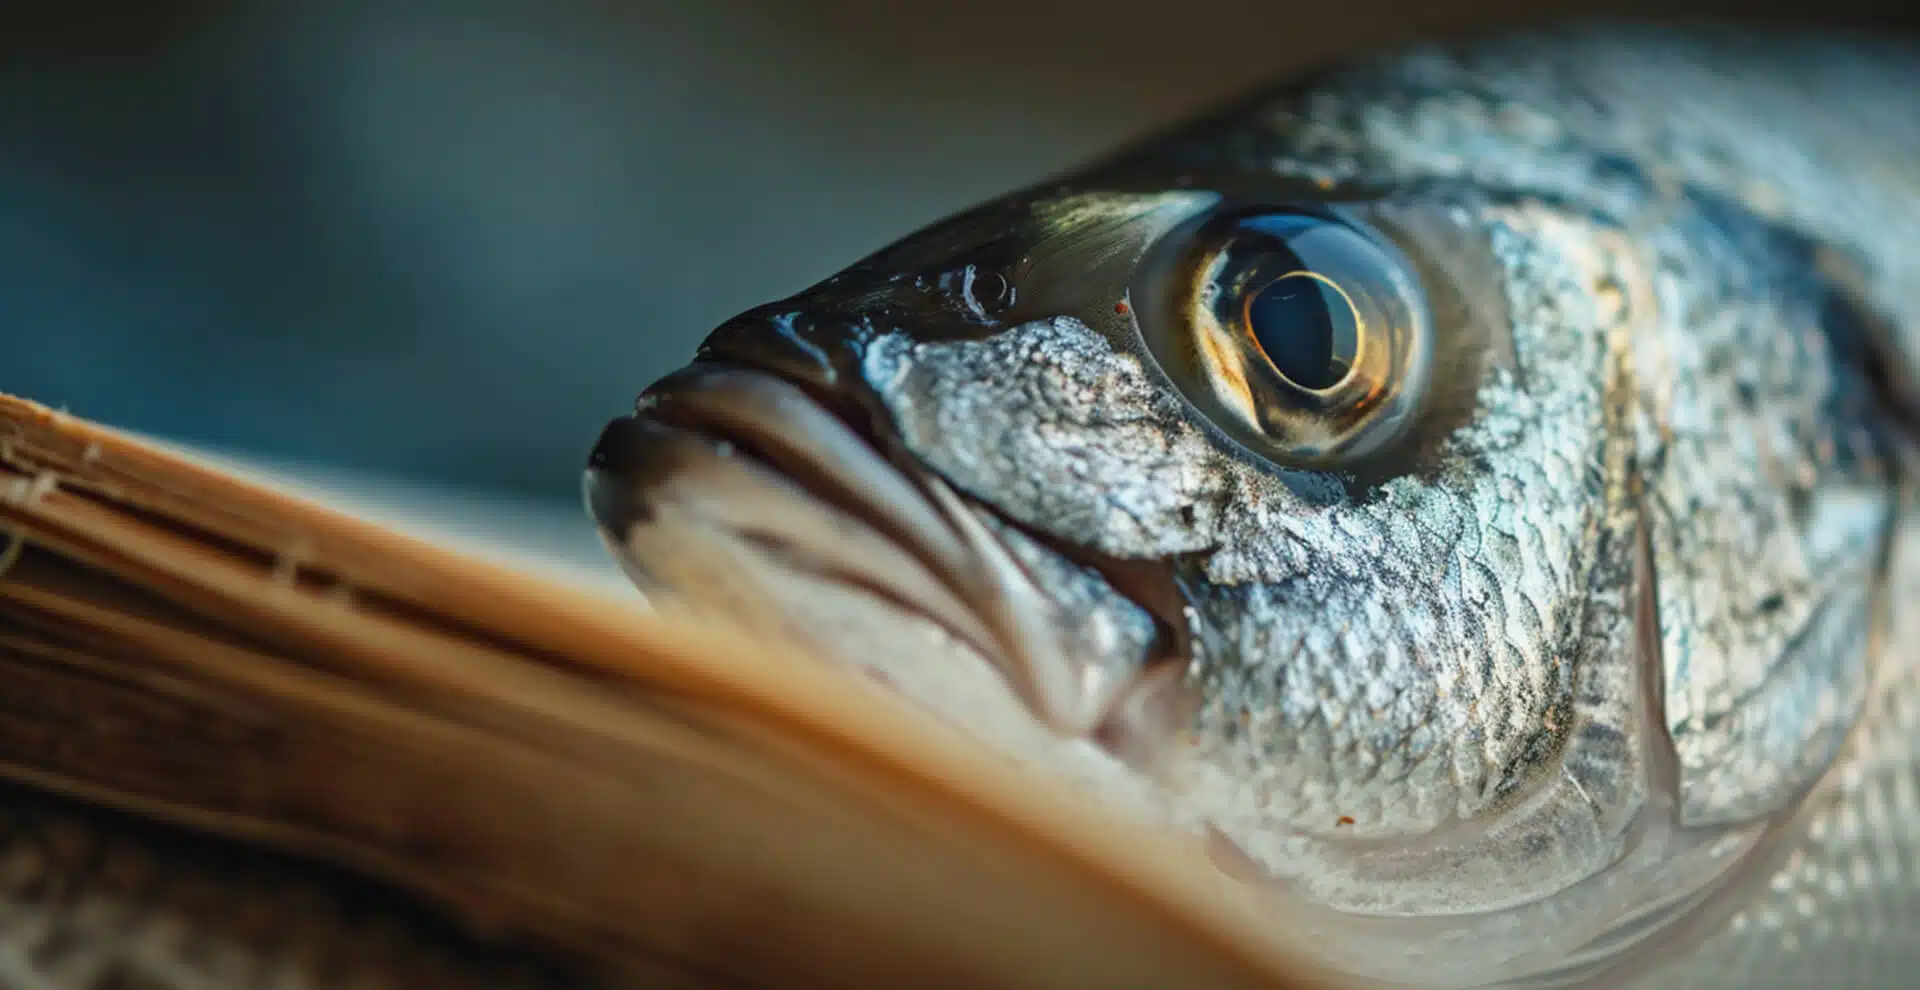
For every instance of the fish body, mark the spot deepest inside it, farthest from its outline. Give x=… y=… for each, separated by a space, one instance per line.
x=1469 y=488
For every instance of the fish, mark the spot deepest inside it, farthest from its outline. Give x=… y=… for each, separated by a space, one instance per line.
x=1441 y=521
x=1469 y=488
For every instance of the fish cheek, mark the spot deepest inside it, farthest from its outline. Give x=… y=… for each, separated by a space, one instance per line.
x=1429 y=700
x=1770 y=501
x=1055 y=428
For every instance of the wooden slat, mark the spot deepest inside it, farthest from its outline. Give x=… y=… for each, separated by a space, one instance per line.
x=546 y=759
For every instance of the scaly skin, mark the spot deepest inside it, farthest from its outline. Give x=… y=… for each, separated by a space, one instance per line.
x=1599 y=652
x=90 y=901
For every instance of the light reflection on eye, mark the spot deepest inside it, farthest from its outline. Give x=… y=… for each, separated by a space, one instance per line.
x=1304 y=335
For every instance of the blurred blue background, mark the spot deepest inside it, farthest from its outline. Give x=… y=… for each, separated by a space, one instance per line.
x=446 y=241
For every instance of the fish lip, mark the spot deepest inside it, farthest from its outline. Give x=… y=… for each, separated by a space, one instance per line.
x=712 y=411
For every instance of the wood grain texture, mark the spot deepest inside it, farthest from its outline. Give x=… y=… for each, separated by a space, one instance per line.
x=662 y=803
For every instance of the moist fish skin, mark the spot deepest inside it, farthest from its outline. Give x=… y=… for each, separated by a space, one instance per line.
x=1593 y=654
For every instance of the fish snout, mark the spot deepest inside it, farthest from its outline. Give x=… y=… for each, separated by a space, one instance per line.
x=732 y=491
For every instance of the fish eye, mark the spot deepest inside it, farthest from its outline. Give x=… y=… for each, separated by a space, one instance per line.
x=1305 y=335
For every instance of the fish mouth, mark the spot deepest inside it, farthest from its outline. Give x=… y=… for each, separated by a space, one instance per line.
x=732 y=468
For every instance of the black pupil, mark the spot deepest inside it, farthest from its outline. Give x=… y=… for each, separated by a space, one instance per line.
x=1307 y=329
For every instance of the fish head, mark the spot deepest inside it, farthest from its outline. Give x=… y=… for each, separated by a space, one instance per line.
x=1470 y=530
